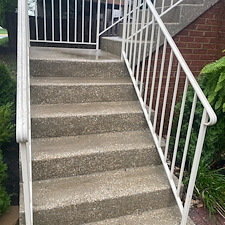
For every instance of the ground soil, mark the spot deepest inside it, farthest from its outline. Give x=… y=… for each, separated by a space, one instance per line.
x=200 y=216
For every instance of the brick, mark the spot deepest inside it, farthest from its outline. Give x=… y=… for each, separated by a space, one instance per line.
x=186 y=39
x=204 y=27
x=200 y=51
x=196 y=63
x=201 y=20
x=194 y=45
x=201 y=40
x=209 y=46
x=196 y=33
x=211 y=34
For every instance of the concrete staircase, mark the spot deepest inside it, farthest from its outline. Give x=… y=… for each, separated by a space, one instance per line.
x=94 y=161
x=175 y=20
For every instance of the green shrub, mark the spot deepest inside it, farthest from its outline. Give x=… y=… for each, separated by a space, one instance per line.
x=6 y=6
x=6 y=123
x=4 y=197
x=7 y=86
x=7 y=128
x=210 y=183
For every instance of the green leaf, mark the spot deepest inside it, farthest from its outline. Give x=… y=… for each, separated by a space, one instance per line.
x=211 y=97
x=218 y=103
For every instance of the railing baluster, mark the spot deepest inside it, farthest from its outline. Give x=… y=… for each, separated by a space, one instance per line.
x=83 y=22
x=98 y=24
x=68 y=20
x=179 y=127
x=149 y=60
x=194 y=170
x=44 y=12
x=75 y=20
x=60 y=20
x=144 y=54
x=90 y=21
x=165 y=96
x=191 y=119
x=53 y=21
x=128 y=28
x=154 y=73
x=36 y=21
x=124 y=28
x=134 y=26
x=163 y=5
x=172 y=109
x=160 y=84
x=140 y=44
x=113 y=5
x=106 y=14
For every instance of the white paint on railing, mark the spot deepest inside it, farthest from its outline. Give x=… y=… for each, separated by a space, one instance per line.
x=23 y=126
x=157 y=64
x=90 y=20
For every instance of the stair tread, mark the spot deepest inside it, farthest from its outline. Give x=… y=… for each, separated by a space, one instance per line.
x=96 y=187
x=79 y=81
x=71 y=54
x=120 y=39
x=51 y=148
x=164 y=216
x=85 y=109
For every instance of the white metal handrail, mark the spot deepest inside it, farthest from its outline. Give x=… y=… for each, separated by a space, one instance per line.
x=23 y=131
x=79 y=21
x=74 y=21
x=164 y=61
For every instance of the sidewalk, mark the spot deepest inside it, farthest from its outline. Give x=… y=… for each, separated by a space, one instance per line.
x=3 y=36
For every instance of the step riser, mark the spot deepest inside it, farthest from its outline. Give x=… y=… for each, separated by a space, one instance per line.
x=100 y=210
x=99 y=162
x=114 y=47
x=170 y=17
x=120 y=32
x=81 y=94
x=80 y=125
x=48 y=68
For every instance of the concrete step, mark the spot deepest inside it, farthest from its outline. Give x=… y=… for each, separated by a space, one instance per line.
x=89 y=198
x=86 y=154
x=165 y=216
x=70 y=62
x=56 y=90
x=86 y=118
x=175 y=20
x=114 y=45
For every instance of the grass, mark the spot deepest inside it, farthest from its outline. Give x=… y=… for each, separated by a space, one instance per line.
x=3 y=31
x=4 y=42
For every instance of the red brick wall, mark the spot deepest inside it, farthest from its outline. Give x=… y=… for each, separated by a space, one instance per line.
x=200 y=43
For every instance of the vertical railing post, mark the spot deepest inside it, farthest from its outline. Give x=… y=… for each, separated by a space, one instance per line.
x=23 y=123
x=98 y=25
x=194 y=170
x=124 y=27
